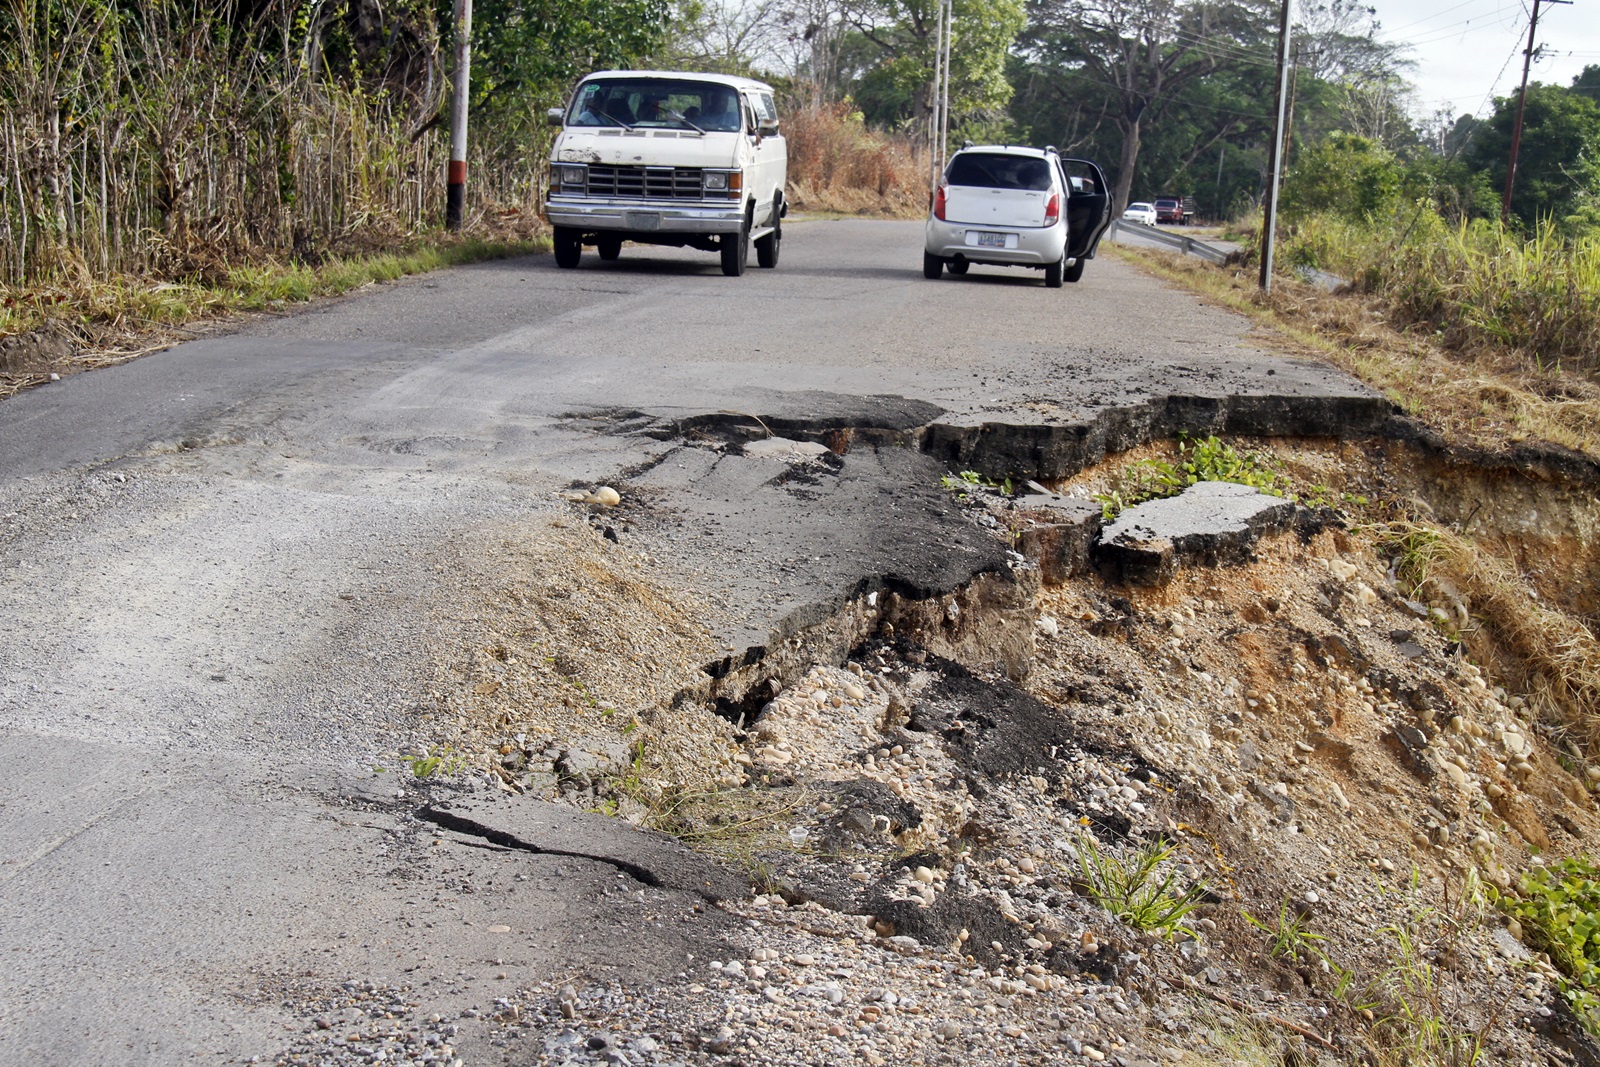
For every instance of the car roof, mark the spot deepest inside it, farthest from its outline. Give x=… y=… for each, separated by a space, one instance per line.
x=685 y=75
x=1011 y=149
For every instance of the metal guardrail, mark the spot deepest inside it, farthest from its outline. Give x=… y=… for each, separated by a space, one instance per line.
x=1187 y=245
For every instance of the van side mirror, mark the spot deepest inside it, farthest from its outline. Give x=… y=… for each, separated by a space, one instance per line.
x=768 y=128
x=554 y=116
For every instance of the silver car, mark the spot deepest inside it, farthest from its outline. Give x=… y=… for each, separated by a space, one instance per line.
x=1010 y=206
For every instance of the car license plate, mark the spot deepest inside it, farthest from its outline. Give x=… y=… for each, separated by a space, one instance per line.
x=991 y=240
x=643 y=220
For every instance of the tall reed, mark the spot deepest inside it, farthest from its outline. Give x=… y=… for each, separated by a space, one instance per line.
x=172 y=137
x=1478 y=285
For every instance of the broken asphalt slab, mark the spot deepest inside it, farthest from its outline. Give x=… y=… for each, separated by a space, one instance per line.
x=1209 y=523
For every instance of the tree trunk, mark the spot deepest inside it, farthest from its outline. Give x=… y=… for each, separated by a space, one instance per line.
x=1126 y=162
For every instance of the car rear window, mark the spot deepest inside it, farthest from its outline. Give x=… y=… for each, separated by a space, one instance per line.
x=1166 y=203
x=992 y=170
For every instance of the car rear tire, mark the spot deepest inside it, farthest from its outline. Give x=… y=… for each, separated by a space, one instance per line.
x=958 y=267
x=932 y=265
x=1075 y=271
x=735 y=249
x=568 y=246
x=1054 y=271
x=609 y=248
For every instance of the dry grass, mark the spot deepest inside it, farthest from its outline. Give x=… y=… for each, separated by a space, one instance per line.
x=1480 y=398
x=1558 y=656
x=1531 y=296
x=106 y=322
x=838 y=165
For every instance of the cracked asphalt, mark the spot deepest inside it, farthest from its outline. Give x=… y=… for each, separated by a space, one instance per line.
x=230 y=572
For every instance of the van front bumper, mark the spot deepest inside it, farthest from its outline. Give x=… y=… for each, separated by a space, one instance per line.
x=644 y=216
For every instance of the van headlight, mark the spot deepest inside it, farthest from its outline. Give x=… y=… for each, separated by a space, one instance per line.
x=728 y=183
x=567 y=174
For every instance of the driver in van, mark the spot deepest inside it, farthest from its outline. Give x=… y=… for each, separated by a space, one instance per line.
x=654 y=109
x=722 y=112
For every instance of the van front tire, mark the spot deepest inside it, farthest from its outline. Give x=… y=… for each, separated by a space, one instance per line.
x=768 y=247
x=735 y=249
x=568 y=246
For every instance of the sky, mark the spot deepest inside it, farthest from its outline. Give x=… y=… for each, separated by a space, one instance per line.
x=1469 y=51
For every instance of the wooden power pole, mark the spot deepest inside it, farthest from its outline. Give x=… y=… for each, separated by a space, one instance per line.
x=1522 y=102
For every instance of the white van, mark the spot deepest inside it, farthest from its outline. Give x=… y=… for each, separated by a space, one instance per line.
x=668 y=158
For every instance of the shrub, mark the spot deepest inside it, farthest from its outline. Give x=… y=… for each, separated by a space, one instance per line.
x=1558 y=908
x=837 y=164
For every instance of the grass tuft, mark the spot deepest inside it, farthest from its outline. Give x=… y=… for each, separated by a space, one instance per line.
x=1139 y=889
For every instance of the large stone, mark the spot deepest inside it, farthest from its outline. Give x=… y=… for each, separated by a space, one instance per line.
x=33 y=353
x=1210 y=523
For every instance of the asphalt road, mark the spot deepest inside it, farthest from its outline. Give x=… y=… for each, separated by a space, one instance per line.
x=229 y=571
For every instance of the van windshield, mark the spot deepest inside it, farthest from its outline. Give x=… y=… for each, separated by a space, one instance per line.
x=656 y=103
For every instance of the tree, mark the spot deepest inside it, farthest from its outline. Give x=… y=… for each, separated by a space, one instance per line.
x=527 y=52
x=1346 y=175
x=1558 y=163
x=1587 y=83
x=1147 y=53
x=896 y=40
x=721 y=37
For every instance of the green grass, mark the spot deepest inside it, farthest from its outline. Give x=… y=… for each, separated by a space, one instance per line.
x=1207 y=459
x=1289 y=934
x=1558 y=909
x=1140 y=888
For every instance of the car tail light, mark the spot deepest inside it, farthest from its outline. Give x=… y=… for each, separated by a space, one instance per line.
x=1052 y=210
x=938 y=203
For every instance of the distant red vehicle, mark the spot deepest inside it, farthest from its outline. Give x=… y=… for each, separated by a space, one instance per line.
x=1173 y=210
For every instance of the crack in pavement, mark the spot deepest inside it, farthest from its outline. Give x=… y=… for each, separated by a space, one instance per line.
x=463 y=825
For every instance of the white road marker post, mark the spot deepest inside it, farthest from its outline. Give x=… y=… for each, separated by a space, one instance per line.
x=456 y=178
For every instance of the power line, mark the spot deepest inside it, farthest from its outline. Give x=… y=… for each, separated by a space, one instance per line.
x=1467 y=3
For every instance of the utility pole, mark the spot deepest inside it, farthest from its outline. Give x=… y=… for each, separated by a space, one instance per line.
x=456 y=177
x=1269 y=216
x=944 y=102
x=1522 y=102
x=939 y=118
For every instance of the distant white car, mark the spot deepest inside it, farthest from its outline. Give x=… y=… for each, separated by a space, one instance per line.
x=1009 y=206
x=1142 y=213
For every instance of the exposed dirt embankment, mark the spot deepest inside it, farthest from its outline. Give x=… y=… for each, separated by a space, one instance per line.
x=1342 y=739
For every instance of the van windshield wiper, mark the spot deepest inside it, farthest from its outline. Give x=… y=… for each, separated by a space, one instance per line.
x=681 y=117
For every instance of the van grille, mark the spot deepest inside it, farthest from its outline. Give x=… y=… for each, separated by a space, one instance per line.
x=656 y=183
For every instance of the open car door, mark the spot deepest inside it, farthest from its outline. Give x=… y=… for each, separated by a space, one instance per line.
x=1088 y=207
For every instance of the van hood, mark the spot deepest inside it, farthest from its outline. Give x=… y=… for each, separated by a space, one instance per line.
x=653 y=148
